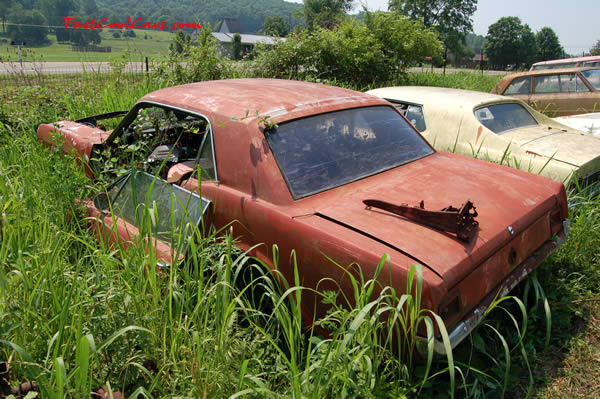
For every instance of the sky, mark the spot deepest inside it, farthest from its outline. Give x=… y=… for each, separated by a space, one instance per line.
x=576 y=23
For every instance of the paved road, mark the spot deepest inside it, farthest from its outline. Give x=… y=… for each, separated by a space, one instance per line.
x=56 y=68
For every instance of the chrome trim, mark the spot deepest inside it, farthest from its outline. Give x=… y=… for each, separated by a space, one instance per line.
x=472 y=320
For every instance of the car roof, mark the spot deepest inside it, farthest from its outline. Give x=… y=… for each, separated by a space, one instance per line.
x=568 y=60
x=440 y=96
x=251 y=99
x=553 y=71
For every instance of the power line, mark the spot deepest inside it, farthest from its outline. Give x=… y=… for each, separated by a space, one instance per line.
x=34 y=26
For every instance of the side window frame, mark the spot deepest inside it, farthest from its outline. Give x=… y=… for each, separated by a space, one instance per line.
x=132 y=114
x=522 y=79
x=397 y=103
x=546 y=77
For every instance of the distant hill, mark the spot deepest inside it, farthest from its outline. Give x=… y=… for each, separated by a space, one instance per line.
x=251 y=13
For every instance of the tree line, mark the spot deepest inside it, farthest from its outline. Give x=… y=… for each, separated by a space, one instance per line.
x=28 y=21
x=509 y=41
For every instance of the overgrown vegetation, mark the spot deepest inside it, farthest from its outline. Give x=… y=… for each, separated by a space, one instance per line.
x=76 y=315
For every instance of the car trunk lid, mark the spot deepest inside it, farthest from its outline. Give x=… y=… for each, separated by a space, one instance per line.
x=577 y=149
x=508 y=202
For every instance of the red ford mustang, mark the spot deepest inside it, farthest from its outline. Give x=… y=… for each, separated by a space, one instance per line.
x=329 y=173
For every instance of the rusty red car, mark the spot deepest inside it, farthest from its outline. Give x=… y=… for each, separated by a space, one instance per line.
x=331 y=174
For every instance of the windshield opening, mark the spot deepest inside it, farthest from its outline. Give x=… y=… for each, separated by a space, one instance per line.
x=328 y=150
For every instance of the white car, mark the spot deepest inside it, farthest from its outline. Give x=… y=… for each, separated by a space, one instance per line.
x=499 y=129
x=588 y=123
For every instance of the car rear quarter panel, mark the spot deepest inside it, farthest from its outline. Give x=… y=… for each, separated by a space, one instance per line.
x=325 y=252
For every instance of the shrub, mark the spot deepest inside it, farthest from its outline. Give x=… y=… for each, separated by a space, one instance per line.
x=349 y=53
x=202 y=61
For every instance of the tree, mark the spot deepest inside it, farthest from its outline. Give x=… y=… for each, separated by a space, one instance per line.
x=90 y=8
x=325 y=13
x=55 y=11
x=510 y=42
x=405 y=41
x=30 y=35
x=4 y=7
x=348 y=53
x=475 y=42
x=595 y=50
x=549 y=47
x=275 y=25
x=180 y=42
x=452 y=18
x=236 y=46
x=84 y=37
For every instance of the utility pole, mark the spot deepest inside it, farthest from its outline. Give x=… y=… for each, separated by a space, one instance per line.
x=445 y=57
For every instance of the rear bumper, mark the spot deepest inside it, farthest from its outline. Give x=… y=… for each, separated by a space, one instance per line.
x=468 y=324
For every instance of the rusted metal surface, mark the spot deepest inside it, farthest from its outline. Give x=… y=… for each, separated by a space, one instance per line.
x=253 y=198
x=475 y=315
x=179 y=171
x=119 y=233
x=559 y=103
x=75 y=137
x=453 y=220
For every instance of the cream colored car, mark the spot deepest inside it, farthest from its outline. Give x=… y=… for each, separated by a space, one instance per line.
x=499 y=129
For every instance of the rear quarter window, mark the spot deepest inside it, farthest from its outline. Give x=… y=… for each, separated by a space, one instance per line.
x=519 y=86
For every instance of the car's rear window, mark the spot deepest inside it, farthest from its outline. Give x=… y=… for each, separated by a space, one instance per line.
x=500 y=118
x=554 y=66
x=592 y=76
x=328 y=150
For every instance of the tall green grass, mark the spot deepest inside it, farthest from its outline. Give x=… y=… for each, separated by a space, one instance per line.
x=76 y=314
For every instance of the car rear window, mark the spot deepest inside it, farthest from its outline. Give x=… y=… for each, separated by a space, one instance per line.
x=554 y=66
x=328 y=150
x=592 y=76
x=500 y=118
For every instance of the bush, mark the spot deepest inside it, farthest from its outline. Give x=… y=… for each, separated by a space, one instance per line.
x=202 y=61
x=354 y=53
x=349 y=53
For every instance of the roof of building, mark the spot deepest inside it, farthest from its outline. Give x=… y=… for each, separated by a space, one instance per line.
x=246 y=38
x=231 y=25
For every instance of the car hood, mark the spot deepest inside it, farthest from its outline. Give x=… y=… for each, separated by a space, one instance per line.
x=576 y=149
x=503 y=198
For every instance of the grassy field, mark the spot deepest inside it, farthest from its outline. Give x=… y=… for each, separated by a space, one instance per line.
x=146 y=44
x=76 y=315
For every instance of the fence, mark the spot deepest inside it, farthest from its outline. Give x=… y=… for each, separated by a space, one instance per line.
x=86 y=49
x=15 y=74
